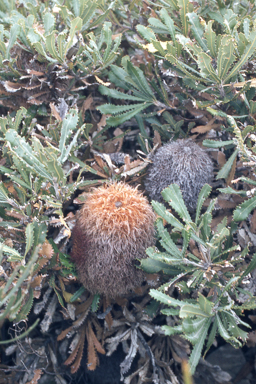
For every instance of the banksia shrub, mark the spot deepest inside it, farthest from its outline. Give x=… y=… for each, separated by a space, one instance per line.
x=181 y=162
x=113 y=229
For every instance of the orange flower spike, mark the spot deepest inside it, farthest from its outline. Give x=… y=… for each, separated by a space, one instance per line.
x=114 y=227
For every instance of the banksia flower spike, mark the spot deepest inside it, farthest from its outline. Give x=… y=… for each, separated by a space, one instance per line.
x=181 y=162
x=113 y=229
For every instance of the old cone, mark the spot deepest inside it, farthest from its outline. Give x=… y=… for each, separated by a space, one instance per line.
x=113 y=228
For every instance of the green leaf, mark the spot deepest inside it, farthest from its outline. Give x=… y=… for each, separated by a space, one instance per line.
x=205 y=305
x=197 y=29
x=222 y=331
x=169 y=331
x=211 y=38
x=217 y=144
x=146 y=32
x=154 y=266
x=197 y=350
x=40 y=231
x=77 y=294
x=243 y=210
x=225 y=170
x=76 y=25
x=19 y=147
x=165 y=299
x=120 y=119
x=49 y=21
x=95 y=302
x=29 y=237
x=207 y=70
x=168 y=22
x=204 y=193
x=26 y=308
x=173 y=196
x=140 y=80
x=250 y=267
x=192 y=310
x=225 y=56
x=118 y=95
x=14 y=31
x=161 y=211
x=183 y=5
x=68 y=125
x=249 y=51
x=166 y=240
x=50 y=45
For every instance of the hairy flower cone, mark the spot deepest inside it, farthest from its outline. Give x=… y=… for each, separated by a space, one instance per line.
x=113 y=228
x=181 y=162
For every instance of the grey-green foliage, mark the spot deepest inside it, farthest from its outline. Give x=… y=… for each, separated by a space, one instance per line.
x=61 y=34
x=246 y=154
x=144 y=93
x=36 y=169
x=206 y=60
x=206 y=265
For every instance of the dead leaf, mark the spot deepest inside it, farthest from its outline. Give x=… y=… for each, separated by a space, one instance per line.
x=205 y=128
x=55 y=112
x=102 y=82
x=253 y=222
x=231 y=174
x=101 y=124
x=87 y=105
x=37 y=375
x=221 y=159
x=157 y=139
x=114 y=145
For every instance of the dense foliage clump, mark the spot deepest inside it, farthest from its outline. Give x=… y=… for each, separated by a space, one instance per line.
x=91 y=94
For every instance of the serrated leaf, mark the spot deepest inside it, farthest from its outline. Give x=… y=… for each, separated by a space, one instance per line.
x=166 y=240
x=49 y=21
x=207 y=70
x=68 y=125
x=225 y=170
x=75 y=26
x=197 y=350
x=140 y=80
x=56 y=170
x=160 y=209
x=173 y=196
x=225 y=56
x=14 y=32
x=165 y=299
x=29 y=237
x=116 y=109
x=168 y=22
x=184 y=68
x=192 y=310
x=95 y=302
x=183 y=5
x=40 y=231
x=198 y=30
x=118 y=95
x=249 y=51
x=243 y=210
x=204 y=193
x=26 y=308
x=120 y=119
x=21 y=148
x=211 y=38
x=146 y=32
x=50 y=45
x=205 y=305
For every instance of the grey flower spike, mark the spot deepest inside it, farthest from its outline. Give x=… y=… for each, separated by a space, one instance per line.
x=181 y=162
